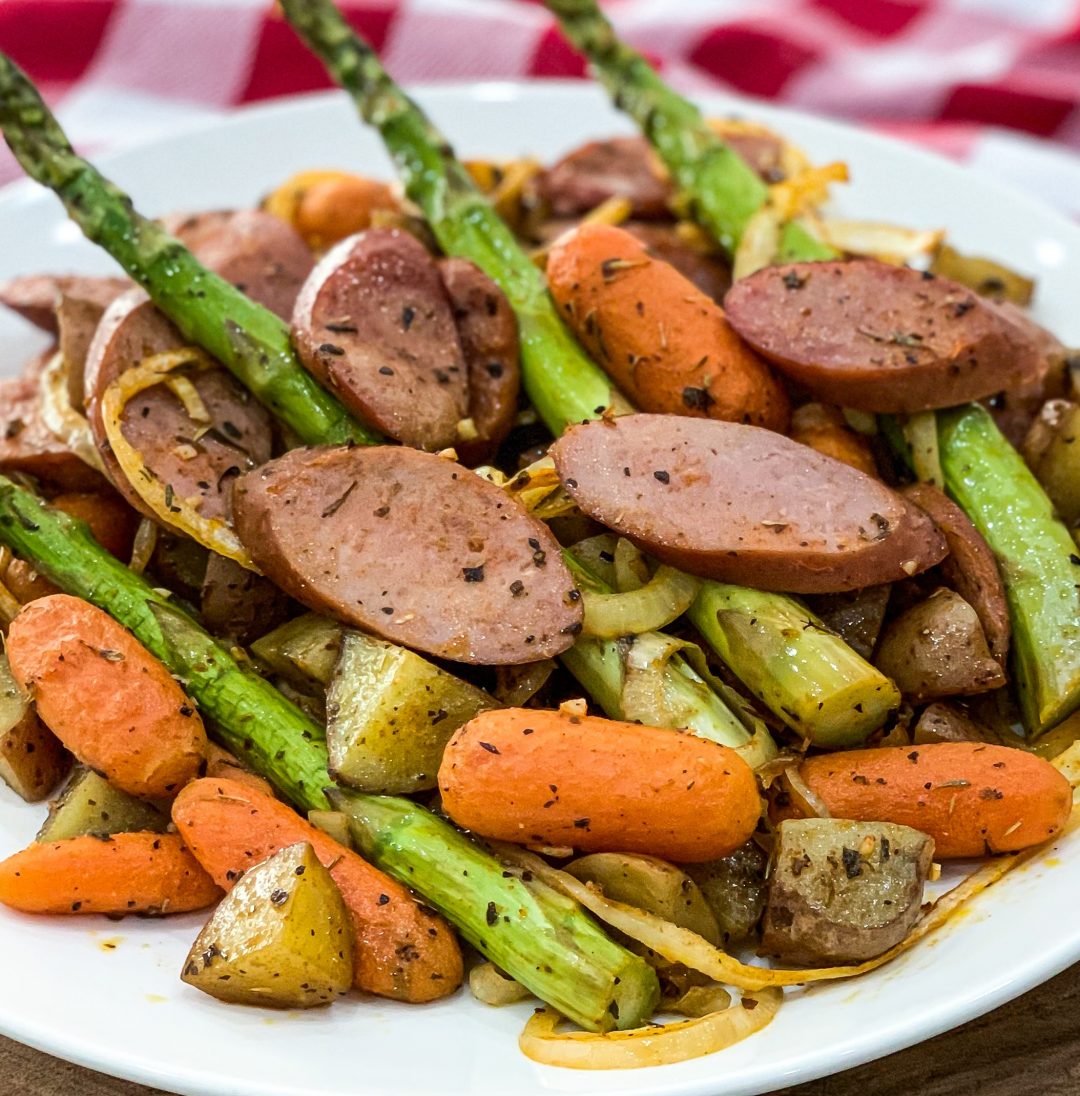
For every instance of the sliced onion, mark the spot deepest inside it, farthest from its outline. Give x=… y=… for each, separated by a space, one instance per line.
x=656 y=1045
x=61 y=418
x=667 y=595
x=887 y=243
x=759 y=243
x=631 y=569
x=809 y=803
x=699 y=1001
x=490 y=986
x=597 y=554
x=921 y=433
x=174 y=512
x=142 y=548
x=537 y=488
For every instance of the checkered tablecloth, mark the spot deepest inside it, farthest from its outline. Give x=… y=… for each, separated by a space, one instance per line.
x=993 y=82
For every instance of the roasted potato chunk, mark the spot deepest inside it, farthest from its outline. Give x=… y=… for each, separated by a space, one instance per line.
x=89 y=804
x=1053 y=456
x=734 y=888
x=390 y=714
x=32 y=760
x=302 y=650
x=938 y=648
x=281 y=938
x=843 y=892
x=856 y=617
x=650 y=884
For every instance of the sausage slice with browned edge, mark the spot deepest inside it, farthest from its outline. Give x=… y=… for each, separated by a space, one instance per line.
x=199 y=464
x=488 y=331
x=878 y=337
x=35 y=296
x=743 y=504
x=374 y=324
x=621 y=167
x=260 y=254
x=412 y=547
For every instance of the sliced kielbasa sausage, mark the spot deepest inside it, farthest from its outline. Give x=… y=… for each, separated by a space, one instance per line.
x=878 y=337
x=35 y=296
x=621 y=167
x=199 y=464
x=412 y=547
x=743 y=504
x=260 y=254
x=488 y=331
x=374 y=324
x=969 y=568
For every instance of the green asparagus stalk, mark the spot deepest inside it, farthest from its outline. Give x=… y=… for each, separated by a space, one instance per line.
x=803 y=673
x=247 y=713
x=538 y=936
x=563 y=384
x=1037 y=556
x=248 y=339
x=724 y=192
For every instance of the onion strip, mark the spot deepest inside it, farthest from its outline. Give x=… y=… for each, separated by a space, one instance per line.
x=656 y=1045
x=491 y=987
x=142 y=548
x=61 y=418
x=921 y=434
x=664 y=598
x=174 y=511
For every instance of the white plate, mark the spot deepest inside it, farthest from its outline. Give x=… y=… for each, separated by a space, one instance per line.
x=123 y=1010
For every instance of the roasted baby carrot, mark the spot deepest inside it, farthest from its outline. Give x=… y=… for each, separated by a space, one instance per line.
x=148 y=873
x=822 y=427
x=403 y=950
x=666 y=344
x=102 y=693
x=549 y=778
x=972 y=798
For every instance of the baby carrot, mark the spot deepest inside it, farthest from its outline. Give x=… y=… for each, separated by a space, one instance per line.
x=822 y=427
x=547 y=778
x=972 y=798
x=148 y=873
x=102 y=693
x=403 y=950
x=666 y=344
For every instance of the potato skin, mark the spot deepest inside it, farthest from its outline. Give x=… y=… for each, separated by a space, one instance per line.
x=843 y=892
x=102 y=693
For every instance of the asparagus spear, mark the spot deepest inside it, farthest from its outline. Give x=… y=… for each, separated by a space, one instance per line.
x=1041 y=570
x=724 y=191
x=247 y=713
x=248 y=339
x=563 y=384
x=803 y=673
x=535 y=934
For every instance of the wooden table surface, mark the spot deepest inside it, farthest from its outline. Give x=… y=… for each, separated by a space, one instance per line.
x=1031 y=1046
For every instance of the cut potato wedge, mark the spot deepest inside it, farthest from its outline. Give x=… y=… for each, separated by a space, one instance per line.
x=32 y=759
x=89 y=804
x=390 y=714
x=302 y=650
x=281 y=938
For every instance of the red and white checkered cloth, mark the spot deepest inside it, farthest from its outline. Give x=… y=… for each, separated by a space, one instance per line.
x=951 y=74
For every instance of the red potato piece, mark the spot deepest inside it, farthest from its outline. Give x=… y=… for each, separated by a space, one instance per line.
x=621 y=167
x=878 y=337
x=744 y=505
x=413 y=548
x=969 y=568
x=258 y=253
x=105 y=696
x=374 y=324
x=488 y=331
x=35 y=296
x=27 y=445
x=156 y=423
